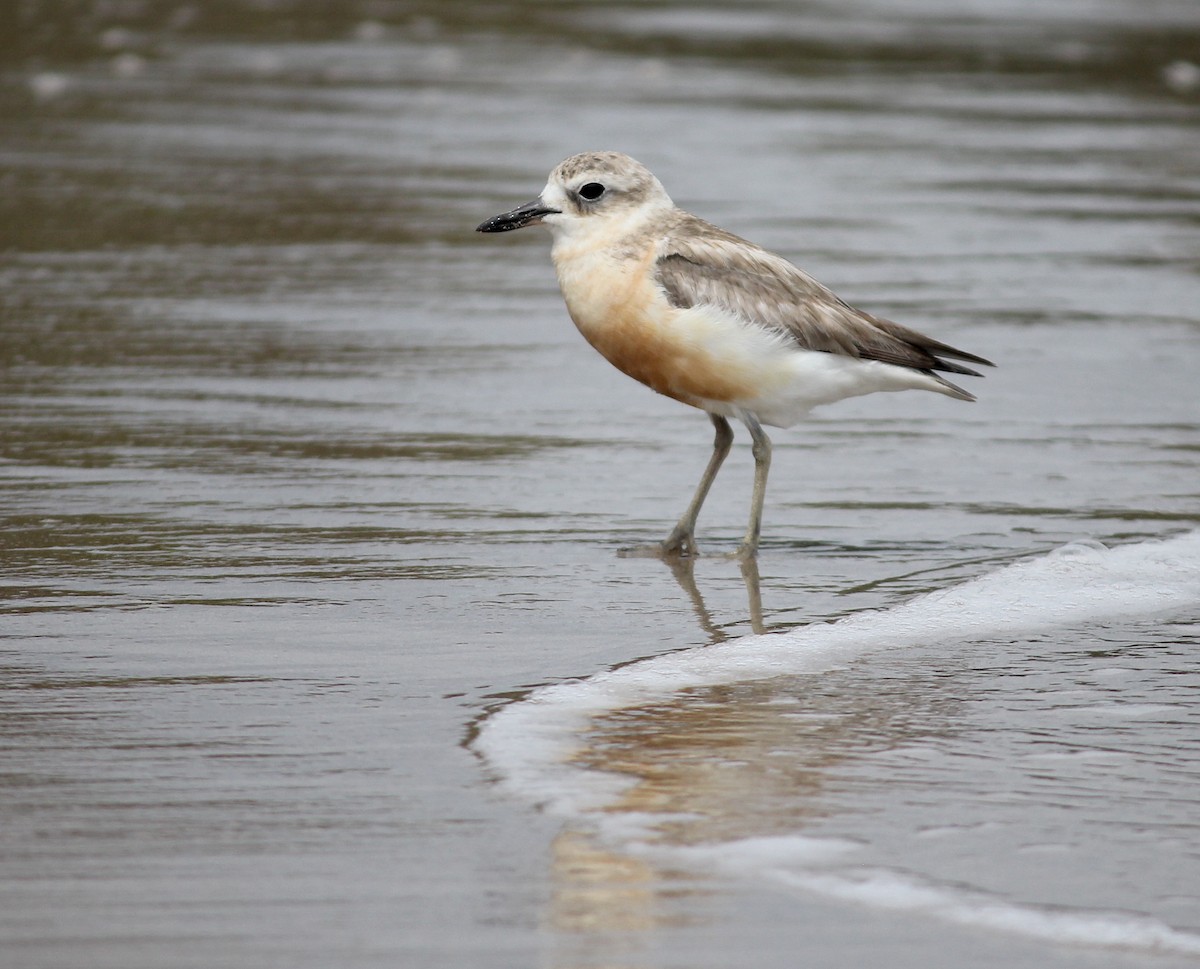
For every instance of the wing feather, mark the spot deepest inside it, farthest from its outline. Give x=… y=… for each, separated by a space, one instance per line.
x=701 y=264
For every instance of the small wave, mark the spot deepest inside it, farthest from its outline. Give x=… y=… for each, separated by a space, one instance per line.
x=796 y=861
x=530 y=744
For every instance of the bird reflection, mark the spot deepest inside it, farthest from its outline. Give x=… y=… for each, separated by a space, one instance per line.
x=684 y=571
x=600 y=890
x=714 y=765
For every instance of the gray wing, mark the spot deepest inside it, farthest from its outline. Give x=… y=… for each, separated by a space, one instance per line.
x=703 y=265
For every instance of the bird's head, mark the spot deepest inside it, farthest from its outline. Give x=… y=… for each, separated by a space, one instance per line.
x=594 y=192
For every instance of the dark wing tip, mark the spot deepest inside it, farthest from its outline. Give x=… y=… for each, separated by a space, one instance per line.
x=934 y=348
x=969 y=357
x=946 y=367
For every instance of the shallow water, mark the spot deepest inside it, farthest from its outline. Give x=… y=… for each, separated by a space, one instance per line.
x=308 y=490
x=864 y=761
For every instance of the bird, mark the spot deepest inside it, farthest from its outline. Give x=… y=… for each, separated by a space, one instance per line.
x=712 y=320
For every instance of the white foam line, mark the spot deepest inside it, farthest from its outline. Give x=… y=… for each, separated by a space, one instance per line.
x=895 y=892
x=800 y=862
x=530 y=743
x=797 y=861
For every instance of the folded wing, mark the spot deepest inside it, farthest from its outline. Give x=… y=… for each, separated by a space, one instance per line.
x=703 y=265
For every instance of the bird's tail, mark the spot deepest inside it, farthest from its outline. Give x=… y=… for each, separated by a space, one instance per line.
x=952 y=390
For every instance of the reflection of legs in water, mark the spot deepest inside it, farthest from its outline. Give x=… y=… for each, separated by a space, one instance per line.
x=749 y=566
x=684 y=570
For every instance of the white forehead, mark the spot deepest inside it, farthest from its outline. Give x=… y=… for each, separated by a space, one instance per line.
x=629 y=180
x=599 y=166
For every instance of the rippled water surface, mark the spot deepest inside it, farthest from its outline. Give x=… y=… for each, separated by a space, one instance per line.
x=310 y=493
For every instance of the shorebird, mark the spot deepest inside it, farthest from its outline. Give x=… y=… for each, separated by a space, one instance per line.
x=710 y=319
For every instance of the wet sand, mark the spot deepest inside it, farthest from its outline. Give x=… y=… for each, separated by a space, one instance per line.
x=303 y=480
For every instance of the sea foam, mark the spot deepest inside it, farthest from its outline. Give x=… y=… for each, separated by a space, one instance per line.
x=529 y=744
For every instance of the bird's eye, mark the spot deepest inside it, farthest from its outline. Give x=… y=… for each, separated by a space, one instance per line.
x=591 y=191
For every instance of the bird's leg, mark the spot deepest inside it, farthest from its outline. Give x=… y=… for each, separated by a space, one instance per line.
x=682 y=540
x=761 y=450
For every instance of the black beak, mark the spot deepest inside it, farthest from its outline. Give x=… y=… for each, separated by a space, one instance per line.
x=531 y=213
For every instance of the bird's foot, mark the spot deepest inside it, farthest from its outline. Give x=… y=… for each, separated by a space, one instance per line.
x=678 y=545
x=746 y=552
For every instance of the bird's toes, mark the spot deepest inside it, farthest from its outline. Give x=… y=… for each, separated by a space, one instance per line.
x=673 y=547
x=679 y=545
x=744 y=553
x=656 y=551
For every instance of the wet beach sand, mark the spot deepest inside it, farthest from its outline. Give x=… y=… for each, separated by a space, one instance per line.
x=317 y=645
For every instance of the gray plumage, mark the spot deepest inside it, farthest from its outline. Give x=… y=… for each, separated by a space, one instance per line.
x=632 y=265
x=701 y=264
